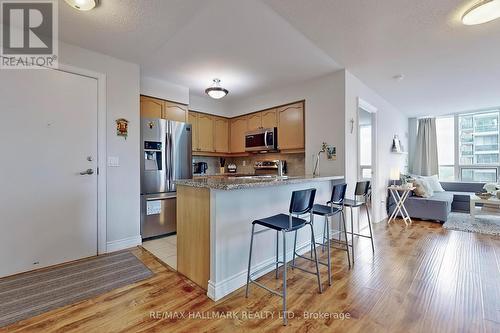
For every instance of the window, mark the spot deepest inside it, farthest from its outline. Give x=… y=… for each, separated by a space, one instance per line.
x=473 y=154
x=479 y=175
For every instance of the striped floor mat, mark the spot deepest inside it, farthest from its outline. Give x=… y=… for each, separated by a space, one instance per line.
x=29 y=294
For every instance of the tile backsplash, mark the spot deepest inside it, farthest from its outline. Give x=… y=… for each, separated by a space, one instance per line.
x=295 y=162
x=212 y=162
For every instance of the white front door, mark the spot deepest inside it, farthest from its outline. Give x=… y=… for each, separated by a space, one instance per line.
x=48 y=135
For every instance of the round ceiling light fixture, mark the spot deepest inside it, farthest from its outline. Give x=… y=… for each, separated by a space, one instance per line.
x=482 y=12
x=216 y=91
x=83 y=4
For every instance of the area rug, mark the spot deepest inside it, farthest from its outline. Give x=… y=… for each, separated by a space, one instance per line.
x=29 y=294
x=484 y=223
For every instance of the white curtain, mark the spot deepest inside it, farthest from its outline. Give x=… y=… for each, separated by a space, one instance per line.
x=425 y=161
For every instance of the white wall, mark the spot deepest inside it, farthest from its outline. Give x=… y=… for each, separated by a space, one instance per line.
x=122 y=101
x=389 y=121
x=165 y=90
x=209 y=105
x=324 y=115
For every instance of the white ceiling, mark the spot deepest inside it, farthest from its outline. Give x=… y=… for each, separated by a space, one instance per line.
x=190 y=42
x=254 y=45
x=448 y=67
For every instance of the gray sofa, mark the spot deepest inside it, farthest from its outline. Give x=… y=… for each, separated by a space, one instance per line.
x=437 y=208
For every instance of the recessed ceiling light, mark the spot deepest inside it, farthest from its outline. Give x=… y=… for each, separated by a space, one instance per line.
x=482 y=12
x=216 y=91
x=82 y=4
x=399 y=77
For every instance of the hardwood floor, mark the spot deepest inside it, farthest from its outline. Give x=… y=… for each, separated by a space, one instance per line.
x=422 y=279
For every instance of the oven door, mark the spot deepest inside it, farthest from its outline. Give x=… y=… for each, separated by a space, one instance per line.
x=260 y=140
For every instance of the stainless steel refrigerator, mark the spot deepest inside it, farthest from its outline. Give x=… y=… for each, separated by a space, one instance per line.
x=165 y=157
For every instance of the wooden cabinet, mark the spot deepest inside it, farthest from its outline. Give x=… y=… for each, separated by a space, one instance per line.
x=221 y=135
x=175 y=112
x=217 y=136
x=158 y=108
x=269 y=118
x=238 y=128
x=291 y=126
x=254 y=121
x=205 y=132
x=193 y=120
x=151 y=107
x=263 y=119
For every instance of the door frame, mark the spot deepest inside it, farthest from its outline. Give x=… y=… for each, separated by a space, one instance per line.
x=101 y=149
x=363 y=104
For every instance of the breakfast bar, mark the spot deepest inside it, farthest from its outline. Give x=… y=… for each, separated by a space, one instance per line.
x=214 y=220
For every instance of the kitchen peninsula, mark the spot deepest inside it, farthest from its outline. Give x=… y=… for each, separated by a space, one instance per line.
x=214 y=220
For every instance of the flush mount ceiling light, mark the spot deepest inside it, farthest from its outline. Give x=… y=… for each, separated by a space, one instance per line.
x=216 y=91
x=82 y=4
x=482 y=12
x=399 y=77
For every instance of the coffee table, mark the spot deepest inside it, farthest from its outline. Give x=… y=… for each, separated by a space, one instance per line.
x=474 y=199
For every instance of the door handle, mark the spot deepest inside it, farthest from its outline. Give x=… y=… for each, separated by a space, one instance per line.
x=87 y=172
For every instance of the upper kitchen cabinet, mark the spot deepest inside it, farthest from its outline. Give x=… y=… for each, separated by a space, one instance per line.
x=221 y=137
x=269 y=118
x=239 y=126
x=193 y=120
x=254 y=121
x=152 y=107
x=158 y=108
x=205 y=132
x=175 y=111
x=291 y=126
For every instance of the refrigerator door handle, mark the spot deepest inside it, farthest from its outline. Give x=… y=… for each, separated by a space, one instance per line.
x=168 y=158
x=172 y=165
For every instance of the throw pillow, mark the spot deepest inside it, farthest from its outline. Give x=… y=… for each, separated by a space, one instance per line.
x=422 y=188
x=434 y=183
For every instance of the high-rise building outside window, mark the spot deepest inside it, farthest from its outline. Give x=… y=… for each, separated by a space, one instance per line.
x=473 y=154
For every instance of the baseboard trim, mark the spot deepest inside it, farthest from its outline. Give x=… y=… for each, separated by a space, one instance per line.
x=122 y=244
x=216 y=291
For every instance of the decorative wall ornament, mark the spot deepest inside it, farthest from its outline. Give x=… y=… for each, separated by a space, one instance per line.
x=122 y=127
x=331 y=152
x=396 y=145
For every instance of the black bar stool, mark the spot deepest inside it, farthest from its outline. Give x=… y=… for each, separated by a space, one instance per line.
x=301 y=204
x=332 y=208
x=362 y=190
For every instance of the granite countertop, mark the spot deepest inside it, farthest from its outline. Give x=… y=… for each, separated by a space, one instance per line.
x=244 y=182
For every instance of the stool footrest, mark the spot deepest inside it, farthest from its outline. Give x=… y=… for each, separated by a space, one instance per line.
x=337 y=242
x=266 y=288
x=312 y=260
x=266 y=267
x=356 y=234
x=303 y=269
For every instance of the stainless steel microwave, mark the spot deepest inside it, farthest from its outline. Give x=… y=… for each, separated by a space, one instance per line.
x=264 y=139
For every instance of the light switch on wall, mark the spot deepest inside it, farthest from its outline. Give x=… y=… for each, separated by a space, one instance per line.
x=113 y=161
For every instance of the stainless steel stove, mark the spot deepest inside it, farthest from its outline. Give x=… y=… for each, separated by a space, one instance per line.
x=270 y=167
